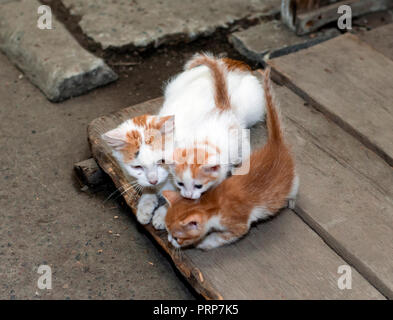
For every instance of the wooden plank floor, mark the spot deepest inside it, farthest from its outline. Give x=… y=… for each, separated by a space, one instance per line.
x=348 y=198
x=282 y=258
x=381 y=39
x=349 y=81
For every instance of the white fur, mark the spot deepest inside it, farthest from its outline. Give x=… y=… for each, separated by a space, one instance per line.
x=214 y=240
x=159 y=218
x=147 y=204
x=214 y=230
x=190 y=97
x=147 y=158
x=149 y=171
x=258 y=213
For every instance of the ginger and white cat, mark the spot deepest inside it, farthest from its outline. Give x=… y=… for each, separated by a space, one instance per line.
x=208 y=103
x=137 y=146
x=212 y=101
x=224 y=214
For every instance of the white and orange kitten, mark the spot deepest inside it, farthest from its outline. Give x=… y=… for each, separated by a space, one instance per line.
x=225 y=213
x=209 y=102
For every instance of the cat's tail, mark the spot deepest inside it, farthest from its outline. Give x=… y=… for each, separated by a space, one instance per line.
x=275 y=136
x=218 y=71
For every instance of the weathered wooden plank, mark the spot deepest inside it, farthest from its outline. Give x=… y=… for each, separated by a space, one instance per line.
x=350 y=82
x=381 y=39
x=262 y=264
x=89 y=173
x=346 y=191
x=310 y=21
x=279 y=259
x=289 y=9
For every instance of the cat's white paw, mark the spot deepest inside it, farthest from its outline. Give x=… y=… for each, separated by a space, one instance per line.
x=205 y=246
x=159 y=218
x=146 y=206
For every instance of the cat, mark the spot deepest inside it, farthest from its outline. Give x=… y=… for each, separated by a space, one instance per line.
x=212 y=101
x=139 y=151
x=224 y=214
x=195 y=103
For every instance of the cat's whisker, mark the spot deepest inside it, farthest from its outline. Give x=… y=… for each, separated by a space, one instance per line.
x=127 y=187
x=114 y=192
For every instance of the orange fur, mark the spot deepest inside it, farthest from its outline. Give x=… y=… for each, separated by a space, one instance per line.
x=267 y=185
x=235 y=65
x=141 y=121
x=151 y=125
x=194 y=159
x=220 y=86
x=132 y=146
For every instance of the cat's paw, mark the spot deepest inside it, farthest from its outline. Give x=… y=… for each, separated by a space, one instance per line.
x=159 y=218
x=146 y=206
x=205 y=246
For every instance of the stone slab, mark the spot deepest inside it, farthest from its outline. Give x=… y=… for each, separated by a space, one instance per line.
x=130 y=23
x=273 y=39
x=51 y=59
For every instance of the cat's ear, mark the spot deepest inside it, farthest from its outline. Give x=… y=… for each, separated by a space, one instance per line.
x=192 y=222
x=171 y=197
x=212 y=169
x=115 y=138
x=167 y=125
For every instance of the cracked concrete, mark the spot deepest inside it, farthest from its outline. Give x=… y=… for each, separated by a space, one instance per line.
x=272 y=39
x=133 y=23
x=51 y=59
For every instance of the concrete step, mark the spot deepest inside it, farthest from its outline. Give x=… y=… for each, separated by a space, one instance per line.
x=51 y=58
x=124 y=24
x=273 y=39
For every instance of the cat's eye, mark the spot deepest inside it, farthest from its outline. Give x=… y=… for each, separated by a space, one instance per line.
x=137 y=167
x=181 y=184
x=198 y=186
x=162 y=161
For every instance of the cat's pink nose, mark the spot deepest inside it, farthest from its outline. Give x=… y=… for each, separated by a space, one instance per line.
x=153 y=182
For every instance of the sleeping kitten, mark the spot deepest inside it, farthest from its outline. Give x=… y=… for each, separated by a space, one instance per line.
x=224 y=214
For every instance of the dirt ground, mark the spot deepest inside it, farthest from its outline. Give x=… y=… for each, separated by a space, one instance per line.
x=46 y=219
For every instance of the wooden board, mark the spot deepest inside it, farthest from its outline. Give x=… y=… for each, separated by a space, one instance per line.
x=346 y=192
x=350 y=82
x=310 y=20
x=381 y=39
x=290 y=8
x=282 y=258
